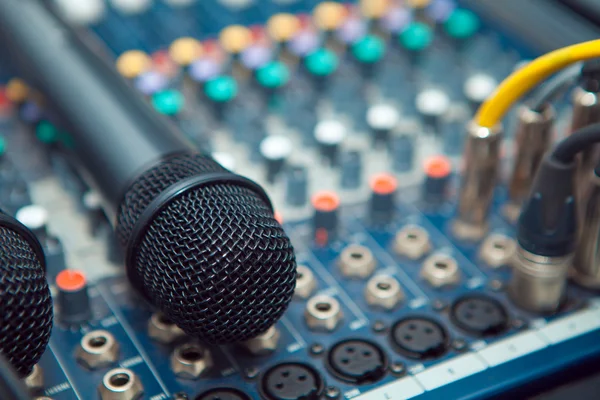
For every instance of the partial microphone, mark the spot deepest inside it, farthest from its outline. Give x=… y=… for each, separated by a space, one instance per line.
x=25 y=302
x=201 y=242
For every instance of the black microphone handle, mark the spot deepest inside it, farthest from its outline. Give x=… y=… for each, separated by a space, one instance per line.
x=116 y=134
x=11 y=387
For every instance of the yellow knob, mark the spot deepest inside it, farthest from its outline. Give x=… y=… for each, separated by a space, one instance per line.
x=329 y=16
x=417 y=3
x=235 y=38
x=185 y=51
x=374 y=9
x=283 y=27
x=133 y=63
x=16 y=91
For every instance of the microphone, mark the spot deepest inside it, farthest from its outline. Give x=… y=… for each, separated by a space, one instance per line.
x=26 y=317
x=201 y=243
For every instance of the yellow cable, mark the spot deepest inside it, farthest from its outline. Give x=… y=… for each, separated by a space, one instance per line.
x=524 y=79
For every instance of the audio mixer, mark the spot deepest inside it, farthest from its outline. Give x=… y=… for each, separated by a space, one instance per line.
x=403 y=202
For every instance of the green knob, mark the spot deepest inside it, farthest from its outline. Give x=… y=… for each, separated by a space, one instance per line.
x=221 y=89
x=46 y=132
x=168 y=102
x=273 y=75
x=462 y=24
x=321 y=62
x=370 y=49
x=416 y=37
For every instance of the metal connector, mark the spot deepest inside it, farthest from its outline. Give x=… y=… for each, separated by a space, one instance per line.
x=120 y=384
x=440 y=270
x=538 y=282
x=323 y=313
x=263 y=344
x=383 y=291
x=412 y=241
x=586 y=264
x=498 y=250
x=532 y=141
x=305 y=282
x=191 y=360
x=35 y=380
x=97 y=349
x=161 y=329
x=357 y=261
x=481 y=161
x=586 y=111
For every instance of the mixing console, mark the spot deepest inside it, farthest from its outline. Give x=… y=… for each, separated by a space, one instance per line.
x=352 y=117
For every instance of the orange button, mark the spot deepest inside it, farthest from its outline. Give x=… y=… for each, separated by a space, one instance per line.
x=437 y=167
x=384 y=183
x=325 y=201
x=70 y=280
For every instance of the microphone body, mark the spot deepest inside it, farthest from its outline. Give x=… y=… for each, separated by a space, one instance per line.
x=11 y=387
x=116 y=135
x=25 y=303
x=201 y=243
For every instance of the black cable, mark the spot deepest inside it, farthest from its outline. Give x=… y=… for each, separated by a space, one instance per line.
x=579 y=141
x=11 y=387
x=548 y=222
x=554 y=88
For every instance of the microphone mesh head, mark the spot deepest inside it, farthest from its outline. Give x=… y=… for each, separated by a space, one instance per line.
x=214 y=260
x=26 y=317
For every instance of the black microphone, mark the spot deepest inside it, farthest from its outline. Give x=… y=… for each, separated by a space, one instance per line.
x=25 y=302
x=201 y=242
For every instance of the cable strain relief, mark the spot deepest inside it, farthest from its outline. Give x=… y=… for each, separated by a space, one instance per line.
x=548 y=223
x=536 y=237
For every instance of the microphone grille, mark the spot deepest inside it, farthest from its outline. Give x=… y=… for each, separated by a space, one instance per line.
x=26 y=317
x=214 y=259
x=155 y=181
